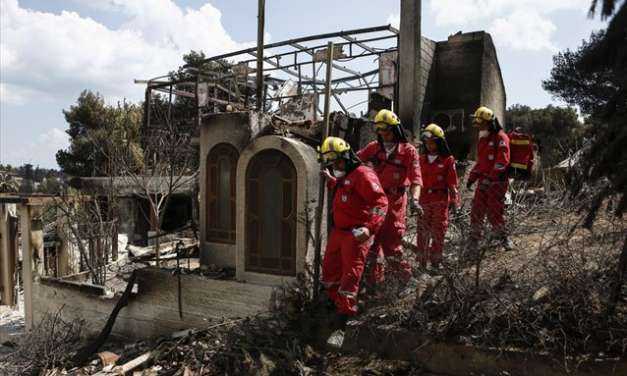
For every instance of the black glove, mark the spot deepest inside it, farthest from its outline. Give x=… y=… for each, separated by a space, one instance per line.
x=414 y=207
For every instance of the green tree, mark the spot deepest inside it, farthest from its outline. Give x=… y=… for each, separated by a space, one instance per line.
x=556 y=130
x=595 y=78
x=7 y=183
x=95 y=129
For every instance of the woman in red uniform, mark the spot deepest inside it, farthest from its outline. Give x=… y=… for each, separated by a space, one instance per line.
x=439 y=191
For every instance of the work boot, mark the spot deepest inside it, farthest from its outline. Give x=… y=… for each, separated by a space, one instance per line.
x=436 y=266
x=507 y=244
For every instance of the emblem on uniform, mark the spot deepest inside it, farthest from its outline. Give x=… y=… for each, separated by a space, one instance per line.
x=344 y=198
x=347 y=182
x=491 y=156
x=502 y=143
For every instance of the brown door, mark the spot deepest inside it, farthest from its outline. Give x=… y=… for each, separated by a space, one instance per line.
x=271 y=214
x=220 y=194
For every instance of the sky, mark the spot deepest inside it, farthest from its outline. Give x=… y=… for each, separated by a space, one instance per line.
x=51 y=50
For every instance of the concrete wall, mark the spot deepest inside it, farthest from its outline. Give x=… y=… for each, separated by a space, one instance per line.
x=467 y=75
x=305 y=162
x=236 y=129
x=427 y=58
x=153 y=311
x=492 y=86
x=458 y=85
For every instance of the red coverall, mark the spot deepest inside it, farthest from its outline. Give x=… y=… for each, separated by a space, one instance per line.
x=397 y=173
x=440 y=185
x=521 y=150
x=491 y=173
x=358 y=201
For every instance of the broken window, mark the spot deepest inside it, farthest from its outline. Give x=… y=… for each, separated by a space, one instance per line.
x=271 y=214
x=221 y=175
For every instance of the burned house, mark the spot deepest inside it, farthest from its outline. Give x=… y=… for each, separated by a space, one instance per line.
x=258 y=186
x=258 y=170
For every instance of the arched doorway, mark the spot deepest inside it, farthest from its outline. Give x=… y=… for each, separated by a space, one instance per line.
x=220 y=193
x=271 y=214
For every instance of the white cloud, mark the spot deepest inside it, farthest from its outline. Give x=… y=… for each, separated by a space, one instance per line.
x=62 y=54
x=469 y=12
x=16 y=95
x=41 y=150
x=523 y=30
x=517 y=24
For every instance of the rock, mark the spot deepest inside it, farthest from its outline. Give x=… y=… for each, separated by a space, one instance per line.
x=336 y=339
x=108 y=358
x=267 y=365
x=541 y=294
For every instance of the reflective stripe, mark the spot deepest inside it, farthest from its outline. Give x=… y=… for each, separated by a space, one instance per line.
x=377 y=211
x=519 y=166
x=519 y=142
x=347 y=293
x=499 y=166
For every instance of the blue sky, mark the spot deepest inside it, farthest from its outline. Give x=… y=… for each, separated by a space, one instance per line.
x=50 y=50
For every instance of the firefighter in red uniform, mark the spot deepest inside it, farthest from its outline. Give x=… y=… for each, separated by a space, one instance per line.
x=491 y=173
x=521 y=150
x=439 y=191
x=359 y=207
x=397 y=165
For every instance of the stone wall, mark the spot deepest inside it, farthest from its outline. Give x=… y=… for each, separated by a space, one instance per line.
x=153 y=310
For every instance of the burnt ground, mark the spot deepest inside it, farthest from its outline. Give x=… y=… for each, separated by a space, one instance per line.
x=549 y=295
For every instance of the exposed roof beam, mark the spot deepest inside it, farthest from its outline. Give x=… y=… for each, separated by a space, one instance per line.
x=360 y=44
x=334 y=65
x=307 y=39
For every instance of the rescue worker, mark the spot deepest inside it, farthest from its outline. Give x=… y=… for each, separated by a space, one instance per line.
x=359 y=207
x=439 y=192
x=397 y=165
x=491 y=173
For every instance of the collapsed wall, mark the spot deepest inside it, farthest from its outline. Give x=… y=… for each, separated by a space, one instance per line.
x=153 y=308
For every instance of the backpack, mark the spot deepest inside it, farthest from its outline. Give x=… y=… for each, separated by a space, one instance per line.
x=521 y=155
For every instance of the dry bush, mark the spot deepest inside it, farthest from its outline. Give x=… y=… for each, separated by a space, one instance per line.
x=551 y=294
x=47 y=346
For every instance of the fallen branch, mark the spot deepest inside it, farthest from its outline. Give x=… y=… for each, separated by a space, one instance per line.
x=84 y=354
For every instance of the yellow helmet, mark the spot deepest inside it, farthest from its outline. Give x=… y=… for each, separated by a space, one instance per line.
x=333 y=148
x=483 y=114
x=433 y=130
x=385 y=119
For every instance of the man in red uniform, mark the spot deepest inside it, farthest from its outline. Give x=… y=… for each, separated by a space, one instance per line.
x=397 y=165
x=439 y=191
x=359 y=207
x=491 y=171
x=521 y=153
